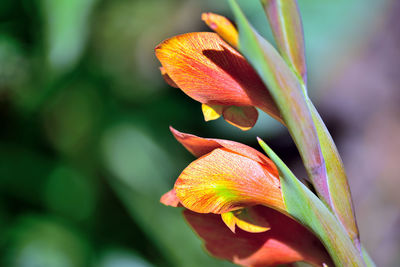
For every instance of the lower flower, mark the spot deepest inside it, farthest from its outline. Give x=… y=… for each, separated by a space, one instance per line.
x=234 y=202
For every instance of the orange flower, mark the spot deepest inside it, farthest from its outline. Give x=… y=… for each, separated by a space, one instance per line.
x=212 y=72
x=226 y=176
x=233 y=186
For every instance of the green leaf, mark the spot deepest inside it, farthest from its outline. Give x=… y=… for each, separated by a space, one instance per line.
x=305 y=207
x=287 y=93
x=339 y=189
x=284 y=18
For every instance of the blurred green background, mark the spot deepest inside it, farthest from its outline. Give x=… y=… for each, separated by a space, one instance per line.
x=85 y=150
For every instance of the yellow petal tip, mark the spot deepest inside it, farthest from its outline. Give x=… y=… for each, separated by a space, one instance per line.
x=223 y=26
x=211 y=112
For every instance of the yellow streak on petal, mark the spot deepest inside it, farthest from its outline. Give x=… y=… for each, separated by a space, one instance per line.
x=223 y=27
x=246 y=220
x=211 y=112
x=250 y=222
x=229 y=219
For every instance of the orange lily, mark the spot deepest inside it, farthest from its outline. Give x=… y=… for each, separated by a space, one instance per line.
x=211 y=71
x=233 y=186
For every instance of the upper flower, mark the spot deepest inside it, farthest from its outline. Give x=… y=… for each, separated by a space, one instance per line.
x=212 y=72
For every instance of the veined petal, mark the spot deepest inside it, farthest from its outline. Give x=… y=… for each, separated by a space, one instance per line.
x=196 y=145
x=210 y=71
x=170 y=199
x=211 y=112
x=242 y=117
x=222 y=181
x=286 y=242
x=246 y=219
x=223 y=26
x=199 y=146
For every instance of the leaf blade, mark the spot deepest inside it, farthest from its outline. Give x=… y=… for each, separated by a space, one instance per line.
x=304 y=206
x=342 y=204
x=285 y=21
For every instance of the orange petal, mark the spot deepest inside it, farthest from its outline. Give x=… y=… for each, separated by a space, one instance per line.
x=199 y=146
x=241 y=117
x=246 y=219
x=211 y=112
x=170 y=199
x=222 y=181
x=223 y=26
x=286 y=242
x=167 y=79
x=210 y=71
x=196 y=145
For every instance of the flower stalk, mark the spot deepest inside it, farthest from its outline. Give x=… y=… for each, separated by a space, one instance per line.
x=285 y=21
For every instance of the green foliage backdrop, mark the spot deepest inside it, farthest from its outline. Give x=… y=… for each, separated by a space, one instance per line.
x=85 y=151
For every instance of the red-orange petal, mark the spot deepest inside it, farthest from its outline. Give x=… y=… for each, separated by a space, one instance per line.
x=222 y=181
x=199 y=146
x=210 y=71
x=286 y=242
x=223 y=26
x=170 y=199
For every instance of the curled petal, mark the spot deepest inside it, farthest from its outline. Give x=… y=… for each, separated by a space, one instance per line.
x=199 y=146
x=242 y=117
x=210 y=71
x=246 y=219
x=196 y=145
x=286 y=242
x=211 y=112
x=222 y=181
x=223 y=26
